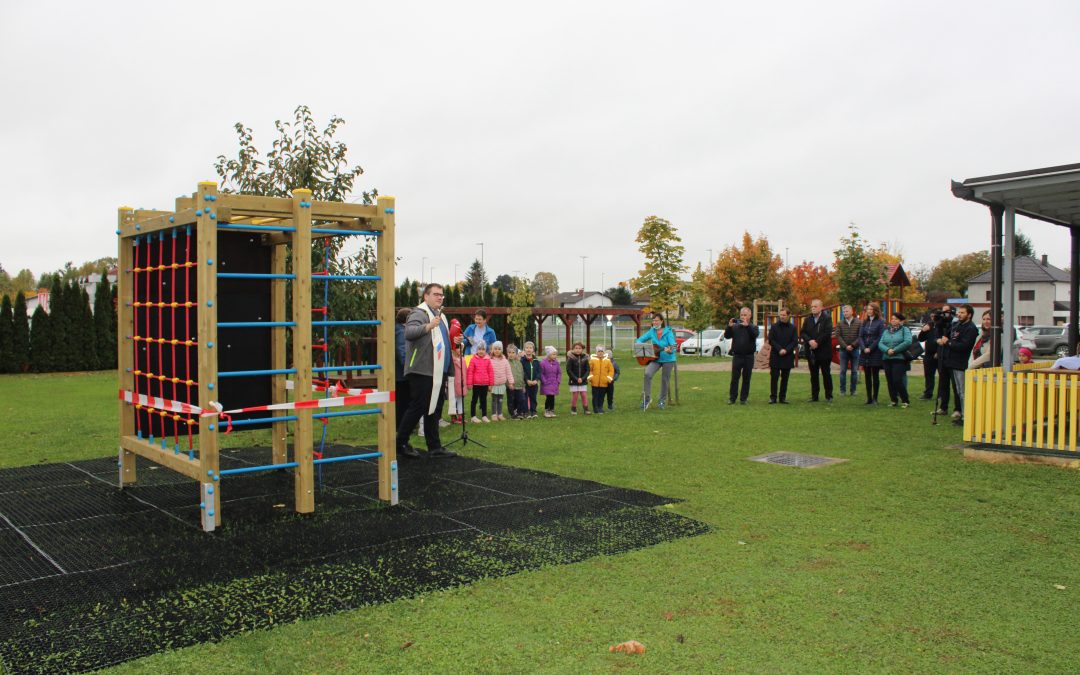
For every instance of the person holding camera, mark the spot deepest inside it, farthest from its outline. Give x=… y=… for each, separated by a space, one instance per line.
x=743 y=336
x=956 y=348
x=783 y=341
x=816 y=334
x=934 y=326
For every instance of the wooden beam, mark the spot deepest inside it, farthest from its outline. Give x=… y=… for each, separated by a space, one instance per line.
x=385 y=313
x=157 y=223
x=345 y=211
x=250 y=206
x=278 y=238
x=167 y=458
x=303 y=439
x=206 y=282
x=125 y=345
x=279 y=433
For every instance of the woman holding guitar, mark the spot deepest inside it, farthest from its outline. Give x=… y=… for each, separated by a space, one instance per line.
x=662 y=339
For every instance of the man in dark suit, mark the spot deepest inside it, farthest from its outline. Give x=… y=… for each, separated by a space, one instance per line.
x=782 y=345
x=816 y=334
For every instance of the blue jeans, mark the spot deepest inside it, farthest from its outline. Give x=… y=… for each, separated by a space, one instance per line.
x=851 y=358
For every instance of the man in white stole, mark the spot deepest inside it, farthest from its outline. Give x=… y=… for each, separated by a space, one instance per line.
x=427 y=362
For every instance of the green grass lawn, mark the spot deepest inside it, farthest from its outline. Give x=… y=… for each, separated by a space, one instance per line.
x=905 y=558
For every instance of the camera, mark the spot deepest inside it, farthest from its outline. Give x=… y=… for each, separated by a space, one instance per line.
x=942 y=320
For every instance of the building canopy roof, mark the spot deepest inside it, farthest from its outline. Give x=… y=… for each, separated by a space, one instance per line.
x=1051 y=194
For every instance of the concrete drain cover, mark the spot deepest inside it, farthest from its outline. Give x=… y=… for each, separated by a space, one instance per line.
x=796 y=459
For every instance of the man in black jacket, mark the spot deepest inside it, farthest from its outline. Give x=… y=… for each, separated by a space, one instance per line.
x=782 y=345
x=929 y=335
x=743 y=336
x=816 y=334
x=954 y=354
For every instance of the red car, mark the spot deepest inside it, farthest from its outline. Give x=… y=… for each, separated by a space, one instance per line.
x=682 y=335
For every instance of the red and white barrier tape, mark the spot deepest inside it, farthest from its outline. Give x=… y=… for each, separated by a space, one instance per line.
x=160 y=403
x=353 y=397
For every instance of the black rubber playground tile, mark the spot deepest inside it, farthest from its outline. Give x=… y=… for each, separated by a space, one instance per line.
x=91 y=575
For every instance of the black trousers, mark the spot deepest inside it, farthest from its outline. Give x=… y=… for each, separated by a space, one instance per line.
x=598 y=394
x=549 y=402
x=895 y=369
x=930 y=371
x=873 y=382
x=820 y=366
x=742 y=365
x=946 y=384
x=420 y=388
x=479 y=394
x=402 y=399
x=780 y=374
x=610 y=389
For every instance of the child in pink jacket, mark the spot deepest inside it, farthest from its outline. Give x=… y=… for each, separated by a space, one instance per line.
x=504 y=377
x=480 y=377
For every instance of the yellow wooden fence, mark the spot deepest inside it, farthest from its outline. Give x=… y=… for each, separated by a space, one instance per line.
x=1026 y=408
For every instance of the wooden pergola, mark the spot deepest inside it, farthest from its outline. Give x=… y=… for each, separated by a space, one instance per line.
x=566 y=314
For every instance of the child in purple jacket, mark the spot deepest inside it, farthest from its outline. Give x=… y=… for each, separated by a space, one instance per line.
x=550 y=378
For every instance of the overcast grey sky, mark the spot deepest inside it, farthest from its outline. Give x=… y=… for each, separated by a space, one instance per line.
x=548 y=131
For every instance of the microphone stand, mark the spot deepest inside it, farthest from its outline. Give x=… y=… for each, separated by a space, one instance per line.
x=460 y=386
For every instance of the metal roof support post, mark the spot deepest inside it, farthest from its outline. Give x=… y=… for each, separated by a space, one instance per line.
x=1004 y=346
x=996 y=212
x=1074 y=288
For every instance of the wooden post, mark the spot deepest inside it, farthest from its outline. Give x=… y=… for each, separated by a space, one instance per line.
x=125 y=343
x=304 y=476
x=278 y=431
x=384 y=304
x=206 y=282
x=540 y=333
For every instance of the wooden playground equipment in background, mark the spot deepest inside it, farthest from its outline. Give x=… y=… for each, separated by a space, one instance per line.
x=280 y=221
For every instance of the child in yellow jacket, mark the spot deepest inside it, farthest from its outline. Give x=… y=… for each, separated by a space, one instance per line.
x=601 y=375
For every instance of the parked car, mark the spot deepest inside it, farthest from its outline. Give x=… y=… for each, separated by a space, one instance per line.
x=682 y=335
x=1046 y=339
x=709 y=344
x=725 y=344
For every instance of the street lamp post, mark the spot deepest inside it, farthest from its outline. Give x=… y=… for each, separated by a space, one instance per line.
x=583 y=259
x=710 y=257
x=423 y=266
x=481 y=245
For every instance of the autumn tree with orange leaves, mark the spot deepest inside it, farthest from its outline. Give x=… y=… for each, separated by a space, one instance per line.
x=744 y=273
x=809 y=281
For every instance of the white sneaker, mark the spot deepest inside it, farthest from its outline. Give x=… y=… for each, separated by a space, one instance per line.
x=443 y=423
x=476 y=420
x=485 y=419
x=956 y=415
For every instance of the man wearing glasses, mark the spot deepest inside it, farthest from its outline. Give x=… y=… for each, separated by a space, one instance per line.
x=427 y=368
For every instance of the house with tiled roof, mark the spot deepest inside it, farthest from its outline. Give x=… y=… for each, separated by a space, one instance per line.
x=1042 y=291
